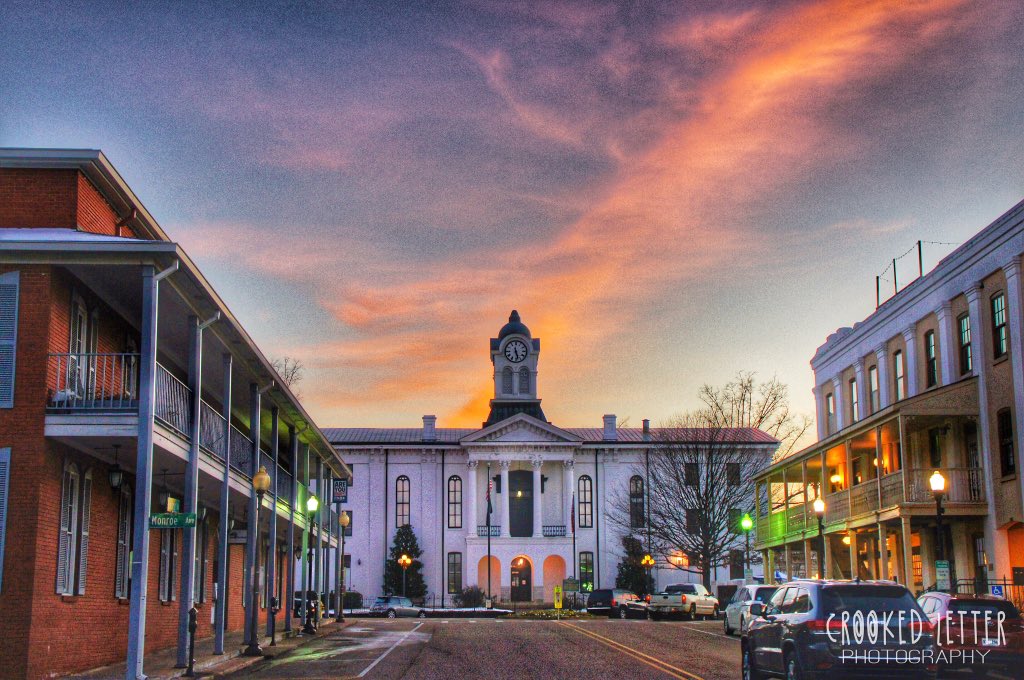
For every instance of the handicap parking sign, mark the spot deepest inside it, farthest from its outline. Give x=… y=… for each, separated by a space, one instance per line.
x=997 y=591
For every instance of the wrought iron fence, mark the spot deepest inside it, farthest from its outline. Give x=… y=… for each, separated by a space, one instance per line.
x=241 y=451
x=552 y=530
x=481 y=530
x=106 y=381
x=211 y=430
x=173 y=398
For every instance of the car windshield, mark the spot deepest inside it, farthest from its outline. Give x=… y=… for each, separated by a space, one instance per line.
x=764 y=594
x=865 y=598
x=982 y=607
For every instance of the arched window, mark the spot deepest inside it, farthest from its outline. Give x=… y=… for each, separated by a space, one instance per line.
x=455 y=502
x=73 y=544
x=636 y=502
x=122 y=570
x=585 y=487
x=524 y=380
x=402 y=501
x=506 y=381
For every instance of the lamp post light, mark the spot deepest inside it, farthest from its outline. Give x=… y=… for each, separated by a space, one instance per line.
x=404 y=561
x=819 y=511
x=938 y=485
x=746 y=523
x=312 y=505
x=260 y=485
x=648 y=563
x=343 y=520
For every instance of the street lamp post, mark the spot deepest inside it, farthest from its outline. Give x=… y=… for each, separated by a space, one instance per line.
x=746 y=524
x=819 y=511
x=344 y=520
x=404 y=561
x=312 y=505
x=260 y=485
x=938 y=486
x=648 y=563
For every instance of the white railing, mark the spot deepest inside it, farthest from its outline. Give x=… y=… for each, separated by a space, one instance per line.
x=90 y=380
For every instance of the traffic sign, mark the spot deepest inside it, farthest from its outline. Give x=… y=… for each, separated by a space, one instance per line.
x=570 y=585
x=942 y=575
x=997 y=591
x=172 y=520
x=339 y=491
x=558 y=597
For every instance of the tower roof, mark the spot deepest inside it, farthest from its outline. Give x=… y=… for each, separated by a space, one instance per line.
x=514 y=326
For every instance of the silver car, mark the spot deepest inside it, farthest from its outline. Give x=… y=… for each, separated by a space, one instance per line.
x=737 y=612
x=392 y=607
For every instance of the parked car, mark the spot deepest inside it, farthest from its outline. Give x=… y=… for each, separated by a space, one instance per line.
x=988 y=625
x=687 y=599
x=616 y=603
x=737 y=612
x=800 y=633
x=393 y=607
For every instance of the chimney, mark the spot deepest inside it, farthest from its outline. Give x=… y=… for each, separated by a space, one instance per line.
x=610 y=434
x=429 y=428
x=647 y=430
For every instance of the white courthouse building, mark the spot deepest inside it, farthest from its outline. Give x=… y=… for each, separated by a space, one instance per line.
x=436 y=480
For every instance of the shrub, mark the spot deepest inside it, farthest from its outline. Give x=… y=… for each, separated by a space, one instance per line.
x=472 y=596
x=353 y=600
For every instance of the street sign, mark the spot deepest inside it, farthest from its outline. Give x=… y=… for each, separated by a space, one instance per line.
x=172 y=520
x=942 y=575
x=558 y=597
x=570 y=585
x=997 y=591
x=339 y=491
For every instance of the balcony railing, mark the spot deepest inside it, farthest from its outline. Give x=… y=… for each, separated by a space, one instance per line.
x=963 y=485
x=173 y=401
x=554 y=530
x=211 y=430
x=481 y=530
x=100 y=381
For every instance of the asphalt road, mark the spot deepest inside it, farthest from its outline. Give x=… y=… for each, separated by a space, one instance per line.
x=456 y=649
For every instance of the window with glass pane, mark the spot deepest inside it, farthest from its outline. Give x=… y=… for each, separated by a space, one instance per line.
x=964 y=324
x=454 y=502
x=999 y=324
x=733 y=474
x=351 y=523
x=636 y=502
x=691 y=474
x=931 y=363
x=830 y=412
x=586 y=571
x=897 y=373
x=1007 y=457
x=692 y=521
x=454 y=573
x=402 y=503
x=854 y=401
x=586 y=501
x=873 y=387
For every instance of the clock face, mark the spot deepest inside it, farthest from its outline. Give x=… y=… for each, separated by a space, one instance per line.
x=516 y=351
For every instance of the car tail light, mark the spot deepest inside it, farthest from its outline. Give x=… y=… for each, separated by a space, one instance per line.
x=823 y=626
x=614 y=603
x=682 y=599
x=647 y=599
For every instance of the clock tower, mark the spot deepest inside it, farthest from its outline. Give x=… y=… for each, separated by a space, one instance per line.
x=514 y=356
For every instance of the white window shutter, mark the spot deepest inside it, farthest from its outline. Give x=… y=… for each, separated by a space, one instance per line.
x=121 y=568
x=172 y=591
x=164 y=564
x=9 y=283
x=5 y=485
x=64 y=543
x=83 y=544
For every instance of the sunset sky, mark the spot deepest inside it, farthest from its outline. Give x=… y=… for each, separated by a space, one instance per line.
x=668 y=193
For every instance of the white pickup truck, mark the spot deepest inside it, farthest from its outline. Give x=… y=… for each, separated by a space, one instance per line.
x=687 y=599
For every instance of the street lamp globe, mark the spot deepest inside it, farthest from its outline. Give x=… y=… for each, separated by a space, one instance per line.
x=819 y=507
x=261 y=482
x=344 y=520
x=746 y=523
x=312 y=504
x=937 y=483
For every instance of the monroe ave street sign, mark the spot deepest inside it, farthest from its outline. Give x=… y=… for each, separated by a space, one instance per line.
x=172 y=520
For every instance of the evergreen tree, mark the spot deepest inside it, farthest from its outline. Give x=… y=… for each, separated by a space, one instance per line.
x=405 y=544
x=632 y=574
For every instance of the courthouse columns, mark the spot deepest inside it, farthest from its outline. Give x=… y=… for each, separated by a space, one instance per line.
x=473 y=513
x=505 y=493
x=567 y=499
x=538 y=510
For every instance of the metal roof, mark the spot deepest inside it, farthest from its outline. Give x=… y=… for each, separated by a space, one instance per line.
x=626 y=435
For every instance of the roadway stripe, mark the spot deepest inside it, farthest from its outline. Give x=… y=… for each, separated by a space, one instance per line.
x=389 y=650
x=651 y=661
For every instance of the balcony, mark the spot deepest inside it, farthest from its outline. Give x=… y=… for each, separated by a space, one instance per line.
x=481 y=531
x=554 y=531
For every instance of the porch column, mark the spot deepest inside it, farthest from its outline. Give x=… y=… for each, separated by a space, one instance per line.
x=307 y=537
x=826 y=559
x=568 y=509
x=251 y=536
x=538 y=509
x=504 y=499
x=908 y=553
x=882 y=356
x=854 y=557
x=471 y=514
x=819 y=408
x=995 y=540
x=144 y=467
x=840 y=403
x=910 y=338
x=1014 y=315
x=863 y=405
x=807 y=559
x=225 y=515
x=272 y=550
x=947 y=344
x=768 y=559
x=883 y=552
x=289 y=591
x=789 y=562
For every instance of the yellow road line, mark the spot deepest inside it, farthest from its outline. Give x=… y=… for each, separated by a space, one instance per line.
x=651 y=661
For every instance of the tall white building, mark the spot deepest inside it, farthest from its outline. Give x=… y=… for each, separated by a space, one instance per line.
x=437 y=480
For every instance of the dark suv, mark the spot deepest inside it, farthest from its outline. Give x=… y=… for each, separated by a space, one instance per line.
x=839 y=629
x=618 y=603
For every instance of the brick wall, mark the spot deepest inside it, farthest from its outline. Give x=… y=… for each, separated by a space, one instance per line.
x=52 y=198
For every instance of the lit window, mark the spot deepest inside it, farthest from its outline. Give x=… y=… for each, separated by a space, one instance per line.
x=931 y=363
x=586 y=502
x=830 y=412
x=873 y=386
x=966 y=359
x=854 y=401
x=897 y=373
x=402 y=503
x=454 y=502
x=587 y=571
x=999 y=324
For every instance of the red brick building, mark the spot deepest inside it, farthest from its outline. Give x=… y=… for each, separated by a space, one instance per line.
x=111 y=376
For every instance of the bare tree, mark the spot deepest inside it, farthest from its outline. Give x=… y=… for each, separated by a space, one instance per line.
x=290 y=370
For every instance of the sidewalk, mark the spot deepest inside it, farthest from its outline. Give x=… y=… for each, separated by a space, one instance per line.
x=160 y=664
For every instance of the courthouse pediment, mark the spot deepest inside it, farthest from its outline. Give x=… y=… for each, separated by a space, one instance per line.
x=521 y=428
